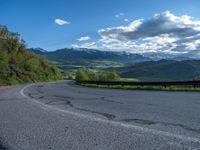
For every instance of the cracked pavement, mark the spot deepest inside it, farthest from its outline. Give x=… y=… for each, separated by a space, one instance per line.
x=62 y=115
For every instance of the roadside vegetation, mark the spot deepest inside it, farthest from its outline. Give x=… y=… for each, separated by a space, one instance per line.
x=94 y=75
x=154 y=88
x=18 y=65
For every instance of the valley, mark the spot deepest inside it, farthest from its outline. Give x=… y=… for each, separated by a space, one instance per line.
x=126 y=64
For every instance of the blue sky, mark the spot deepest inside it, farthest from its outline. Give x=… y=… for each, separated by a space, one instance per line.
x=82 y=20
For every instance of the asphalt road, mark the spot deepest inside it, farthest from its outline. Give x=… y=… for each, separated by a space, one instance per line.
x=65 y=116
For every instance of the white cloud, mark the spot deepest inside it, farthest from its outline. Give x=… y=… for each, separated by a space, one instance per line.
x=163 y=33
x=61 y=22
x=116 y=32
x=126 y=20
x=119 y=15
x=91 y=45
x=84 y=38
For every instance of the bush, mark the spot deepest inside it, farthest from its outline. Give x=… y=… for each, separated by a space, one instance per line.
x=82 y=75
x=86 y=74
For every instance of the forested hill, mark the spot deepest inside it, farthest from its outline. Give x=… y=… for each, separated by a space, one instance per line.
x=18 y=65
x=163 y=70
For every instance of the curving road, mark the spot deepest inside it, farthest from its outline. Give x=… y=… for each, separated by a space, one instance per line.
x=65 y=116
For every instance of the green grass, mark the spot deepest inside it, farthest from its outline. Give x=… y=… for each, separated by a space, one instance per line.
x=154 y=88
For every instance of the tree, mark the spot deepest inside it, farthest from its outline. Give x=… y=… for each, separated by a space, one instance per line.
x=112 y=76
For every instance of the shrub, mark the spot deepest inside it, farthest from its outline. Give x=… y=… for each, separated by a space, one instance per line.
x=87 y=74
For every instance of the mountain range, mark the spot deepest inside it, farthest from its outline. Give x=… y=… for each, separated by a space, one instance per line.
x=70 y=59
x=83 y=55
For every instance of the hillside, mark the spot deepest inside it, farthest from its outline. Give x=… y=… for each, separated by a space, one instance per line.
x=164 y=70
x=18 y=65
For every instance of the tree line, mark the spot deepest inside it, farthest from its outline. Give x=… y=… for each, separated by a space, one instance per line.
x=88 y=74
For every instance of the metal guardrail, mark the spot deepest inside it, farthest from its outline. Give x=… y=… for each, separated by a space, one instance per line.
x=164 y=83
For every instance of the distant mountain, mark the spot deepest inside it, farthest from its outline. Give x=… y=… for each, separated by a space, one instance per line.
x=161 y=56
x=164 y=70
x=80 y=56
x=38 y=50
